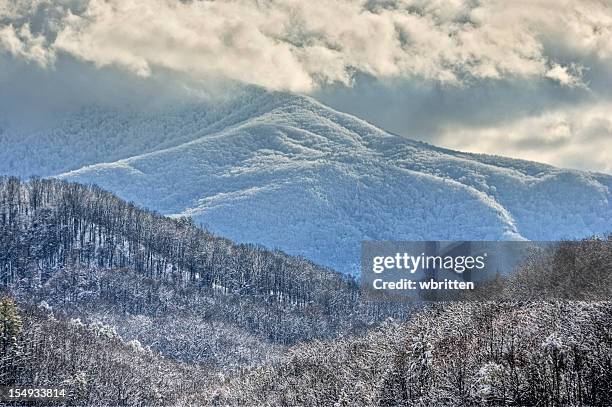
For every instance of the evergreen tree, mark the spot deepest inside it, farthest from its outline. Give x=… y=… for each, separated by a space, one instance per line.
x=10 y=324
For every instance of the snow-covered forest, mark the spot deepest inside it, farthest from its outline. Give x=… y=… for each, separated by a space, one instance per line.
x=459 y=354
x=126 y=307
x=53 y=231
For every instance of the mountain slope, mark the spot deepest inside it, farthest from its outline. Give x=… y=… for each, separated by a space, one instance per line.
x=82 y=248
x=286 y=171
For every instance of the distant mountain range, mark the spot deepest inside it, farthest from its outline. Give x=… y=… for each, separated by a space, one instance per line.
x=287 y=172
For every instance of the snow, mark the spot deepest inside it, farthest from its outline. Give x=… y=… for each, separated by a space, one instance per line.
x=288 y=172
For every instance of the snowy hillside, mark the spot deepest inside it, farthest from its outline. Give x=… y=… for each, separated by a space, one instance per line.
x=288 y=172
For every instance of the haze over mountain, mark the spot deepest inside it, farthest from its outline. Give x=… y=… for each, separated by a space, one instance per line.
x=286 y=171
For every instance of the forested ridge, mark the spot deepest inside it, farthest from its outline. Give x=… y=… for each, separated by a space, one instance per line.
x=54 y=224
x=53 y=228
x=553 y=353
x=91 y=362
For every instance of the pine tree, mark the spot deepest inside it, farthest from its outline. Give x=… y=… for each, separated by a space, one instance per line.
x=10 y=324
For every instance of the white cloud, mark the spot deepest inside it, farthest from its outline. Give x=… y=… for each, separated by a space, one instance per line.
x=21 y=43
x=555 y=54
x=568 y=76
x=298 y=45
x=580 y=137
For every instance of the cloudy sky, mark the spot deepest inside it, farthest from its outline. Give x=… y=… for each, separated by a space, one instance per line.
x=529 y=79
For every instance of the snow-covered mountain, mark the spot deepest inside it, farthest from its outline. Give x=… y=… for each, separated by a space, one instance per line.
x=286 y=171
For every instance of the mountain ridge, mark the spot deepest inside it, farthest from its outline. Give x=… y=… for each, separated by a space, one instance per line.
x=288 y=172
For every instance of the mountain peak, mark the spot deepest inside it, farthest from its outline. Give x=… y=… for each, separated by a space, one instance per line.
x=286 y=171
